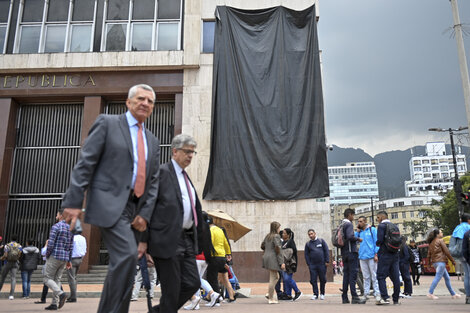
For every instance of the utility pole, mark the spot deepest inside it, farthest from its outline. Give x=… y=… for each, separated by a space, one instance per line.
x=462 y=58
x=457 y=183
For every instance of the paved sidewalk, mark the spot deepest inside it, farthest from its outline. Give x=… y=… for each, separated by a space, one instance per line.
x=256 y=302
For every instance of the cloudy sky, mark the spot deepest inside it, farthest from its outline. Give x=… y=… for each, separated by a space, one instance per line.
x=390 y=72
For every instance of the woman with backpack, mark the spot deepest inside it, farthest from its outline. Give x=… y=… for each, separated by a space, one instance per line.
x=438 y=256
x=28 y=263
x=272 y=258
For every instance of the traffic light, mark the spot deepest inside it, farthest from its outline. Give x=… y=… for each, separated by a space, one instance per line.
x=465 y=198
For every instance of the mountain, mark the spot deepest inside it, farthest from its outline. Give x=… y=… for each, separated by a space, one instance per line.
x=392 y=166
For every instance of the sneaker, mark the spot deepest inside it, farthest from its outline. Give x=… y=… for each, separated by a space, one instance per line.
x=322 y=297
x=11 y=298
x=297 y=295
x=193 y=303
x=377 y=298
x=456 y=296
x=314 y=297
x=197 y=307
x=432 y=297
x=62 y=298
x=405 y=295
x=346 y=301
x=273 y=302
x=382 y=302
x=214 y=297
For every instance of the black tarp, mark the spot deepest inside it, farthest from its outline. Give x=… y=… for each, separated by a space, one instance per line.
x=268 y=135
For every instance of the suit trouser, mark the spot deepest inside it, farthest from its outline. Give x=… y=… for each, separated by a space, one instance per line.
x=317 y=272
x=178 y=275
x=388 y=266
x=122 y=248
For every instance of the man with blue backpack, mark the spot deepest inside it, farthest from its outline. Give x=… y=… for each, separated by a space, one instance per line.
x=389 y=242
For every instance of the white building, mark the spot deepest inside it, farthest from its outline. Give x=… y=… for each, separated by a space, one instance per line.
x=434 y=172
x=354 y=183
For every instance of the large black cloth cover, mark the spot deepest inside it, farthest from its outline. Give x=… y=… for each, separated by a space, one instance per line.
x=268 y=135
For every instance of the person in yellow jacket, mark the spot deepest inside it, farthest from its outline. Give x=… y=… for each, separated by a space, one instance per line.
x=217 y=263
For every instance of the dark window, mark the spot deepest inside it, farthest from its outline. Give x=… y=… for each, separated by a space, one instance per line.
x=33 y=10
x=118 y=9
x=4 y=9
x=83 y=10
x=169 y=9
x=143 y=10
x=208 y=31
x=58 y=10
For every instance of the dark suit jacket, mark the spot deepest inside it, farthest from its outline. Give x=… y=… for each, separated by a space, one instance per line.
x=104 y=170
x=166 y=223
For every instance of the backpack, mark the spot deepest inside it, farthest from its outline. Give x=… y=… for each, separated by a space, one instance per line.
x=455 y=247
x=392 y=238
x=337 y=237
x=14 y=252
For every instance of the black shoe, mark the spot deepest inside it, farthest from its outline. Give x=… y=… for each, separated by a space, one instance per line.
x=297 y=295
x=40 y=302
x=51 y=307
x=71 y=300
x=346 y=301
x=62 y=298
x=396 y=302
x=357 y=300
x=417 y=282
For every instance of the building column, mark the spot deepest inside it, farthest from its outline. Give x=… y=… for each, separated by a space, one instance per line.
x=8 y=111
x=93 y=106
x=178 y=114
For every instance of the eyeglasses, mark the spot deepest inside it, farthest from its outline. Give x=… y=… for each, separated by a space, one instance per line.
x=188 y=151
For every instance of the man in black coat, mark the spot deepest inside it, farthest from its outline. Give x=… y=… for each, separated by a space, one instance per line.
x=175 y=229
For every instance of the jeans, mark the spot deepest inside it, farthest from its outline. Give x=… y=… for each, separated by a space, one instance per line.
x=289 y=283
x=441 y=272
x=388 y=266
x=351 y=267
x=26 y=280
x=369 y=271
x=317 y=271
x=12 y=268
x=405 y=275
x=466 y=281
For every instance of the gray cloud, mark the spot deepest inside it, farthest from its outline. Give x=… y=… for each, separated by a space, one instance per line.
x=389 y=72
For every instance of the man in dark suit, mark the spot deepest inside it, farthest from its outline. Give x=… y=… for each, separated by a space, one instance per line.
x=175 y=229
x=118 y=169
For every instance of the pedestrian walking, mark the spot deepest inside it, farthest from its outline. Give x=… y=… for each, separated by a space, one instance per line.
x=78 y=252
x=28 y=264
x=438 y=256
x=272 y=258
x=291 y=266
x=404 y=263
x=12 y=254
x=415 y=263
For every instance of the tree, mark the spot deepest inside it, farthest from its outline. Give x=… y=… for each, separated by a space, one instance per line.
x=449 y=214
x=430 y=218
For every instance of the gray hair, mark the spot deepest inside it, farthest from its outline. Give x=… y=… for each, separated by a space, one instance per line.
x=181 y=140
x=133 y=90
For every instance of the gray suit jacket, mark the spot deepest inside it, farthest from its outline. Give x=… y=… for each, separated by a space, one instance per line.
x=104 y=170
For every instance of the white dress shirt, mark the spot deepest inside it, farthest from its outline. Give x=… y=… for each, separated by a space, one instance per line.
x=188 y=215
x=133 y=128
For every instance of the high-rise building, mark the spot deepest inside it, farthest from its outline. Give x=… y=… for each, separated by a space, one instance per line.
x=356 y=182
x=434 y=172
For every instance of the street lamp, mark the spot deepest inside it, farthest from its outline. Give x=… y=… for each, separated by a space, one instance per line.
x=457 y=183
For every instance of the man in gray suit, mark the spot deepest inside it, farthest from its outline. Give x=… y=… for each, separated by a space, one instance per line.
x=118 y=168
